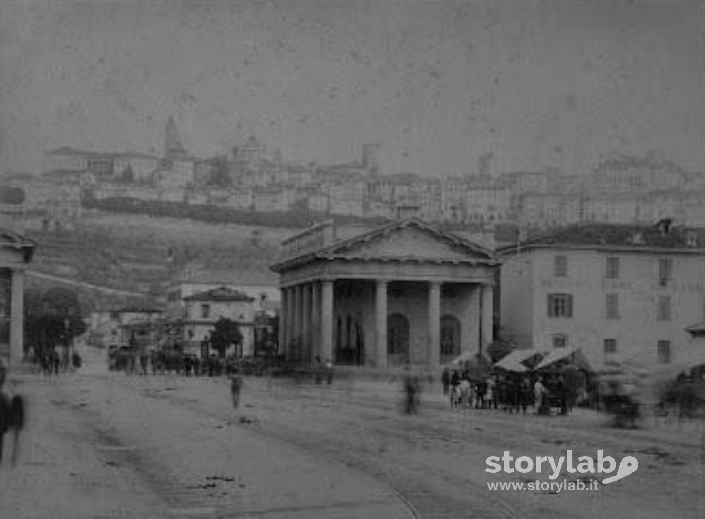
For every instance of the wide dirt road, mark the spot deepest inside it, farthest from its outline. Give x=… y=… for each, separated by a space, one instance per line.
x=170 y=446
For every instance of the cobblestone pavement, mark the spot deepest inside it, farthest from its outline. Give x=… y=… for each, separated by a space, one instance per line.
x=169 y=446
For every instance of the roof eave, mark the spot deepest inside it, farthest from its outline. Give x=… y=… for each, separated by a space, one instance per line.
x=513 y=249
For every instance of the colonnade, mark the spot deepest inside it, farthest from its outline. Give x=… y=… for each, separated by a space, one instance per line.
x=307 y=320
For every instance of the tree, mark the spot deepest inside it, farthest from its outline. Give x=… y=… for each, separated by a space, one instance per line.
x=52 y=318
x=226 y=333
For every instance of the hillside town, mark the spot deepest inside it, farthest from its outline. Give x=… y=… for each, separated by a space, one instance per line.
x=620 y=189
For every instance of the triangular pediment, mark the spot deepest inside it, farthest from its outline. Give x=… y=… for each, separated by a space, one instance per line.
x=410 y=240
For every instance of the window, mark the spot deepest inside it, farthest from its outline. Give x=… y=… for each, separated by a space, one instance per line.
x=610 y=346
x=664 y=308
x=560 y=341
x=560 y=266
x=450 y=336
x=664 y=352
x=665 y=269
x=612 y=306
x=205 y=311
x=560 y=305
x=612 y=270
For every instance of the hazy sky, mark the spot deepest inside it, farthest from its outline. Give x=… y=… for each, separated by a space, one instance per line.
x=536 y=83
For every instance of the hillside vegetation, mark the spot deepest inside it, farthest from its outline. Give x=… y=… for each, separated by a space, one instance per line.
x=143 y=254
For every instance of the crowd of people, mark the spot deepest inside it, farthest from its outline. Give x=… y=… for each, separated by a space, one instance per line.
x=53 y=361
x=511 y=392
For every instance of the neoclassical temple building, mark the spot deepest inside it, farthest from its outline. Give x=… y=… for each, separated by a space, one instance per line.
x=404 y=293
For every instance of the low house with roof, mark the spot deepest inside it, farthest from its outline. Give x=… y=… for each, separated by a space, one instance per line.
x=608 y=289
x=138 y=326
x=404 y=293
x=203 y=309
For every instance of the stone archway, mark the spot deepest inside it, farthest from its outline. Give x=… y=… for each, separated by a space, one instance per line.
x=397 y=339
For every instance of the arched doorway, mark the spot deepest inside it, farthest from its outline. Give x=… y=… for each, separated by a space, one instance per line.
x=397 y=339
x=450 y=338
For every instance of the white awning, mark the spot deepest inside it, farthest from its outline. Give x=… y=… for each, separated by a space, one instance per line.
x=513 y=361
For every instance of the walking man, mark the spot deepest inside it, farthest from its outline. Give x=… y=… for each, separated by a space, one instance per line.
x=235 y=388
x=445 y=380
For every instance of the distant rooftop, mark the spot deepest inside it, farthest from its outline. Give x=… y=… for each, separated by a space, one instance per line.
x=68 y=151
x=220 y=294
x=138 y=310
x=663 y=235
x=236 y=276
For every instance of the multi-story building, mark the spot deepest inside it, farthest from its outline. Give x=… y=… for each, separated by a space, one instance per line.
x=102 y=164
x=625 y=289
x=240 y=198
x=194 y=279
x=203 y=309
x=139 y=327
x=550 y=209
x=488 y=203
x=636 y=174
x=453 y=194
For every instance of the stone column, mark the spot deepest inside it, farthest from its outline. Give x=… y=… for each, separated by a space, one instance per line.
x=306 y=327
x=434 y=324
x=290 y=304
x=299 y=320
x=381 y=323
x=327 y=320
x=316 y=320
x=282 y=319
x=17 y=318
x=487 y=314
x=470 y=337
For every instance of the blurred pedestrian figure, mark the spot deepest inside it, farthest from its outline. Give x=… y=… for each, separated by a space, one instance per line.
x=76 y=360
x=144 y=359
x=411 y=393
x=235 y=388
x=318 y=375
x=525 y=394
x=4 y=410
x=329 y=371
x=445 y=380
x=480 y=391
x=491 y=394
x=539 y=394
x=17 y=417
x=12 y=417
x=454 y=392
x=55 y=361
x=562 y=391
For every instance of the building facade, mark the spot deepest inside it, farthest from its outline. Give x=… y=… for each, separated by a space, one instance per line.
x=15 y=254
x=404 y=293
x=203 y=309
x=625 y=289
